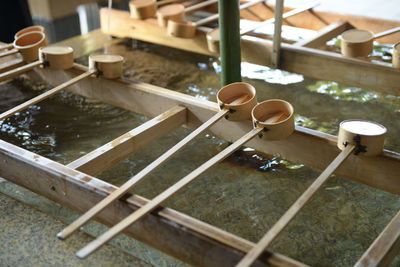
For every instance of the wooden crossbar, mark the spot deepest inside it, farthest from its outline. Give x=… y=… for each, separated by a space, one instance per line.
x=109 y=154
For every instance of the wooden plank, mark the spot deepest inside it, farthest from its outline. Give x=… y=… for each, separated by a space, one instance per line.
x=380 y=172
x=289 y=215
x=109 y=154
x=277 y=38
x=174 y=233
x=325 y=34
x=385 y=247
x=322 y=65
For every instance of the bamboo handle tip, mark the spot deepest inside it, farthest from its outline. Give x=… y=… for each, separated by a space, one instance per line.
x=61 y=236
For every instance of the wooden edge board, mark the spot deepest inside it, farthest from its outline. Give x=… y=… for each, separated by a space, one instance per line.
x=325 y=34
x=304 y=146
x=313 y=63
x=114 y=151
x=385 y=247
x=73 y=189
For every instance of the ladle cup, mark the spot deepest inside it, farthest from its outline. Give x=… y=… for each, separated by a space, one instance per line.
x=358 y=136
x=144 y=9
x=271 y=119
x=107 y=66
x=35 y=28
x=359 y=43
x=52 y=57
x=213 y=37
x=235 y=102
x=396 y=56
x=187 y=29
x=28 y=45
x=177 y=12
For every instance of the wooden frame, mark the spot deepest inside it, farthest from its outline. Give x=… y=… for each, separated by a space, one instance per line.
x=184 y=237
x=309 y=61
x=66 y=185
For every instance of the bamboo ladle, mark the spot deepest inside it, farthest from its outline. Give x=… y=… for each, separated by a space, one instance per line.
x=144 y=9
x=187 y=29
x=359 y=43
x=28 y=44
x=364 y=137
x=213 y=37
x=53 y=57
x=235 y=100
x=177 y=12
x=272 y=120
x=107 y=66
x=35 y=28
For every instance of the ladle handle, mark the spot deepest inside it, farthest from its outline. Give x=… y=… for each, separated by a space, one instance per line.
x=284 y=16
x=45 y=95
x=171 y=191
x=388 y=32
x=200 y=6
x=216 y=16
x=7 y=46
x=138 y=177
x=17 y=71
x=270 y=236
x=9 y=53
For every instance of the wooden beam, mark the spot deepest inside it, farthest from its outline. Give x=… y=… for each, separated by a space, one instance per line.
x=385 y=247
x=174 y=233
x=111 y=153
x=314 y=63
x=305 y=146
x=325 y=34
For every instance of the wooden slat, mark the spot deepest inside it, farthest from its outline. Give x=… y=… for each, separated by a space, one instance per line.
x=19 y=70
x=174 y=233
x=385 y=247
x=318 y=64
x=109 y=154
x=381 y=172
x=325 y=34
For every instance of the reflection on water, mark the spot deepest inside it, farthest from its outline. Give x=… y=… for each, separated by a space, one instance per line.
x=249 y=191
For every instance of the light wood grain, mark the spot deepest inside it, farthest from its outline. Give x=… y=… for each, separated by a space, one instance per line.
x=109 y=154
x=171 y=191
x=8 y=53
x=289 y=215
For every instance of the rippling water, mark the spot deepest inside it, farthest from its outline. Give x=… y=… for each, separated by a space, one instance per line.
x=249 y=191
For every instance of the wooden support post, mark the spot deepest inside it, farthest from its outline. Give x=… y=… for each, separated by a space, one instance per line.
x=325 y=34
x=276 y=45
x=109 y=154
x=230 y=41
x=385 y=247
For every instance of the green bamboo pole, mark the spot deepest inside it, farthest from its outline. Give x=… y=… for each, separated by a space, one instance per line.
x=229 y=41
